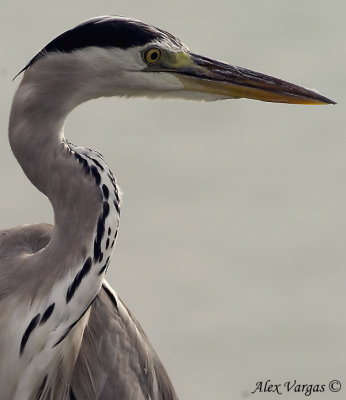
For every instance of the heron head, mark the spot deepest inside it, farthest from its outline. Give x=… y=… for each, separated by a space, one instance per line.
x=110 y=56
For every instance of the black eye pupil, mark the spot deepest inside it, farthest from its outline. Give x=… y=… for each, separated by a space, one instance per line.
x=154 y=55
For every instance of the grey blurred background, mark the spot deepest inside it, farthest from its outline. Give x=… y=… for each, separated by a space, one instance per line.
x=231 y=251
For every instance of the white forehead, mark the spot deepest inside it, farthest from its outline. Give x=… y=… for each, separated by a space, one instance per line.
x=166 y=44
x=130 y=59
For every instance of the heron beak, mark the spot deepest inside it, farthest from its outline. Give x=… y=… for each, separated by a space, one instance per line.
x=201 y=74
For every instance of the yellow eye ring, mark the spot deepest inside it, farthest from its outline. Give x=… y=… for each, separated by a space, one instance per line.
x=152 y=55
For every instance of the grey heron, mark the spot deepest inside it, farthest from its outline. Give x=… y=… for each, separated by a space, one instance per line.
x=64 y=332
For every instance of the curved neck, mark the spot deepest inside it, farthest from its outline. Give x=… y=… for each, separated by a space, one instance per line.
x=36 y=137
x=85 y=200
x=36 y=129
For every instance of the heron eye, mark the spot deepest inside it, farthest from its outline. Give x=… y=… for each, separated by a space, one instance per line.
x=152 y=55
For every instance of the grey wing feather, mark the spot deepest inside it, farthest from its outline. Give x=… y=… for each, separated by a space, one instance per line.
x=15 y=244
x=116 y=360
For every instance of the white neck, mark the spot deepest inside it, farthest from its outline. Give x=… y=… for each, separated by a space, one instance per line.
x=40 y=106
x=85 y=200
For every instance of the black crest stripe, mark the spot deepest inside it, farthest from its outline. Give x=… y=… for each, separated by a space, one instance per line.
x=104 y=32
x=28 y=331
